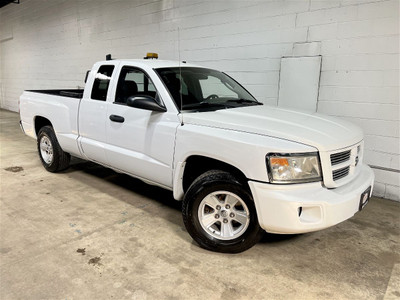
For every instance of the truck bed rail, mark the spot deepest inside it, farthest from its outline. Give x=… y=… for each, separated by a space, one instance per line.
x=72 y=93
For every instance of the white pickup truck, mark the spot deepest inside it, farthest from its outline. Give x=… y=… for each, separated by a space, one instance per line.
x=240 y=167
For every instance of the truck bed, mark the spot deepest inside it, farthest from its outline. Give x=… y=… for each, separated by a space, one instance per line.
x=72 y=93
x=59 y=107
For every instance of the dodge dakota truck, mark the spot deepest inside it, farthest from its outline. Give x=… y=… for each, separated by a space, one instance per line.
x=238 y=166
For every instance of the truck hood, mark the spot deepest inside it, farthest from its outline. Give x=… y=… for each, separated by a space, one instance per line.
x=320 y=131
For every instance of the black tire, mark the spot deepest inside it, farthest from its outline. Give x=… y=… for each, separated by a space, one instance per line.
x=53 y=158
x=220 y=187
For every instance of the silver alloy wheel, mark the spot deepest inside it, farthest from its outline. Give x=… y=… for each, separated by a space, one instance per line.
x=46 y=150
x=224 y=215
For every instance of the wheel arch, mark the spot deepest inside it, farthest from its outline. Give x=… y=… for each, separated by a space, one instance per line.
x=195 y=165
x=40 y=122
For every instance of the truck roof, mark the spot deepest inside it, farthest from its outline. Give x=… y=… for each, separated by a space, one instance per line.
x=152 y=63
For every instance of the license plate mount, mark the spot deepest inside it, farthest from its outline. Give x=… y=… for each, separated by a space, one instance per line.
x=364 y=199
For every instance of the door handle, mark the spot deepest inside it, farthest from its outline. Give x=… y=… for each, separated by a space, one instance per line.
x=117 y=119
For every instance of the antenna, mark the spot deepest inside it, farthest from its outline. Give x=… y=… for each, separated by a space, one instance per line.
x=180 y=74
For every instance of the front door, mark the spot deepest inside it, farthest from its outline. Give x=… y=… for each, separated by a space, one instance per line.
x=140 y=142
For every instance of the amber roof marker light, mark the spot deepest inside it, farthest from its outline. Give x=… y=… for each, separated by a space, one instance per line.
x=151 y=55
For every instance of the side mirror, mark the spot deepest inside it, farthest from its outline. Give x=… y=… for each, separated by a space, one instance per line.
x=145 y=102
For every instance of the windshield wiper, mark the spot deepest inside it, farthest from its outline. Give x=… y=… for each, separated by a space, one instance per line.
x=245 y=101
x=205 y=105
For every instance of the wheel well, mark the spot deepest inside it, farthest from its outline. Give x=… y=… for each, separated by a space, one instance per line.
x=197 y=165
x=41 y=122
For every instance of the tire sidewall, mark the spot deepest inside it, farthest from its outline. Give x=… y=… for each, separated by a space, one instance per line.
x=196 y=193
x=48 y=132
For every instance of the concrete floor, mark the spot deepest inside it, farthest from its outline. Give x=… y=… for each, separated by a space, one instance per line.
x=89 y=233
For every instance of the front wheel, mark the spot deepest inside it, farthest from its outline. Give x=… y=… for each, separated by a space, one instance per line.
x=219 y=213
x=53 y=158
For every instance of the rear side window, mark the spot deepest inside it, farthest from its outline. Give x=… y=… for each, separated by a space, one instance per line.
x=101 y=83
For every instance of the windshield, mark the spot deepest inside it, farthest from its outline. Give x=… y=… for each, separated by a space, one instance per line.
x=204 y=89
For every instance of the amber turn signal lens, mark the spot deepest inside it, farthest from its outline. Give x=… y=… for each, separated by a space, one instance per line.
x=279 y=161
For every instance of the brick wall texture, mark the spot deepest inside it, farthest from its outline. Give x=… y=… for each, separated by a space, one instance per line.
x=51 y=44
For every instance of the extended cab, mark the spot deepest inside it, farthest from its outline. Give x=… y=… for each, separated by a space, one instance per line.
x=239 y=166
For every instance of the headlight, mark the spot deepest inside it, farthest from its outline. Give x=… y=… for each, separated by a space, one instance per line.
x=293 y=168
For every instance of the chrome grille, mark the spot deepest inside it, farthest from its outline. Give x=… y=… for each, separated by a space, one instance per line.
x=340 y=173
x=341 y=157
x=341 y=165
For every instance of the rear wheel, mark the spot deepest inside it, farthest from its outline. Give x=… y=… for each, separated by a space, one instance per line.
x=53 y=158
x=219 y=213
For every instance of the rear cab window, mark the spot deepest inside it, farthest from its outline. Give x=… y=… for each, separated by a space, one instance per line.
x=102 y=82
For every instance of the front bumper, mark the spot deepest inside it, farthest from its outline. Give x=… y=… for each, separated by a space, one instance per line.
x=300 y=208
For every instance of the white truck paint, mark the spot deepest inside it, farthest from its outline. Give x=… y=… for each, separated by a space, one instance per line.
x=171 y=147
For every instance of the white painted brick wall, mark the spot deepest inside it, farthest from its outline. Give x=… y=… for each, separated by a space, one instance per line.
x=51 y=44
